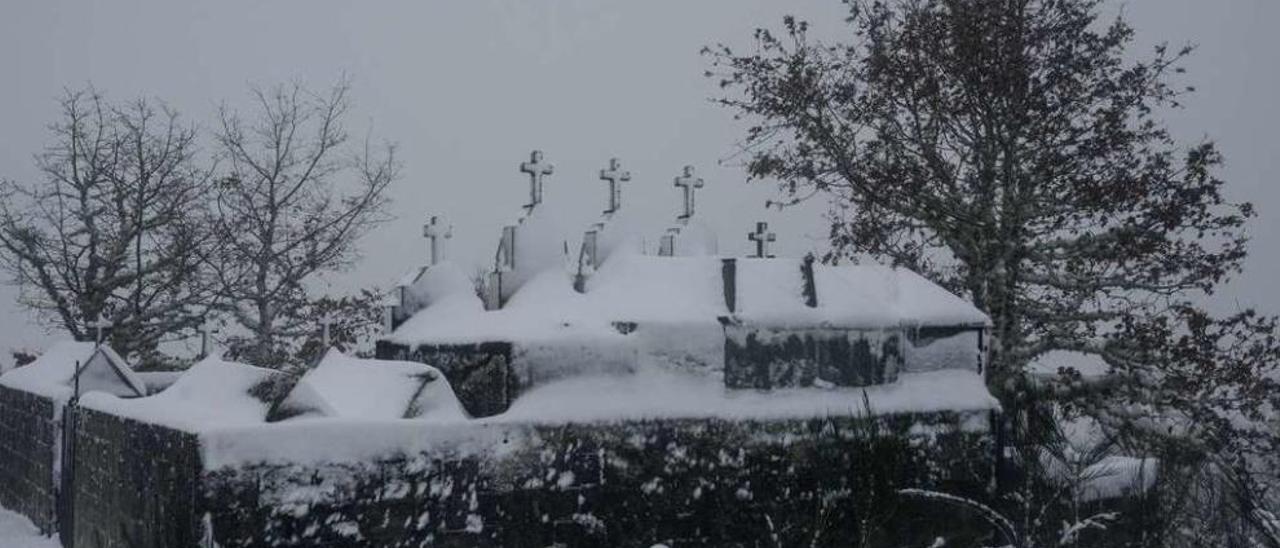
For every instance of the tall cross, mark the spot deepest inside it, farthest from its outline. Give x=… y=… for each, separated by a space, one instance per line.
x=690 y=184
x=206 y=340
x=100 y=326
x=762 y=237
x=439 y=234
x=615 y=175
x=537 y=170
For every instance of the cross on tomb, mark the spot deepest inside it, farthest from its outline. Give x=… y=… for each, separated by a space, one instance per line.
x=439 y=234
x=762 y=238
x=206 y=340
x=690 y=184
x=537 y=170
x=326 y=323
x=100 y=326
x=615 y=176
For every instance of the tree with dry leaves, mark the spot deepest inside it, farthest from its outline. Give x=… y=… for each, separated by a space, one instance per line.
x=294 y=196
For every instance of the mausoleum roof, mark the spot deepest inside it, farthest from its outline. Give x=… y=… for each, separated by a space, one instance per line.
x=344 y=387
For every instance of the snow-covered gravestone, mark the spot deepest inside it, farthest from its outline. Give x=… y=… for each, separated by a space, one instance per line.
x=667 y=245
x=762 y=238
x=538 y=170
x=690 y=184
x=439 y=234
x=615 y=176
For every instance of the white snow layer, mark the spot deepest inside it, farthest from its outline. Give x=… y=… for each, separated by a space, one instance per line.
x=341 y=386
x=211 y=394
x=630 y=287
x=17 y=531
x=1049 y=364
x=51 y=374
x=650 y=394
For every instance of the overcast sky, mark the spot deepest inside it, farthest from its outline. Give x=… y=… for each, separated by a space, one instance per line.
x=467 y=88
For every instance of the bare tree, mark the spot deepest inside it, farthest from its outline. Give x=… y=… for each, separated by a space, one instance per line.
x=281 y=215
x=111 y=231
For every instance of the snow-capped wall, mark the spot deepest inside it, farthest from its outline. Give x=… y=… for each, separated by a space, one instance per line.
x=700 y=482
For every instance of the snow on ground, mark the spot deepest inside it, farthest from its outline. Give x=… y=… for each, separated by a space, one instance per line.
x=18 y=532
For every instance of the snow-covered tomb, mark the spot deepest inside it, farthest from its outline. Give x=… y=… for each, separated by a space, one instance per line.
x=623 y=298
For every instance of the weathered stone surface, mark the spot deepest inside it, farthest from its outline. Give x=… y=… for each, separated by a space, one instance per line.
x=136 y=484
x=763 y=358
x=28 y=449
x=481 y=374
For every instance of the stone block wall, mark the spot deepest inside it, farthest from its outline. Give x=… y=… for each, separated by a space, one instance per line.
x=136 y=484
x=823 y=482
x=482 y=375
x=28 y=453
x=765 y=358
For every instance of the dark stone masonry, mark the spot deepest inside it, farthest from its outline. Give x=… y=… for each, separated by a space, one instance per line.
x=823 y=482
x=686 y=482
x=137 y=484
x=28 y=452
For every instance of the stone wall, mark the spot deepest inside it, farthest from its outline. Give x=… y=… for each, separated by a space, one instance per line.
x=827 y=482
x=136 y=484
x=28 y=453
x=481 y=374
x=765 y=358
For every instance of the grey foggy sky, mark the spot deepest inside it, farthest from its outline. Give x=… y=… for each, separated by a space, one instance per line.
x=467 y=88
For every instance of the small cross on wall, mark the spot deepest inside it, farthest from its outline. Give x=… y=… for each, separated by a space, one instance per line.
x=538 y=170
x=690 y=184
x=326 y=324
x=439 y=234
x=762 y=238
x=100 y=327
x=206 y=339
x=615 y=176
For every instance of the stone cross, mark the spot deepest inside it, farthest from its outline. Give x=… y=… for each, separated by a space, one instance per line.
x=615 y=176
x=537 y=170
x=762 y=237
x=506 y=259
x=690 y=184
x=206 y=340
x=100 y=326
x=325 y=340
x=439 y=234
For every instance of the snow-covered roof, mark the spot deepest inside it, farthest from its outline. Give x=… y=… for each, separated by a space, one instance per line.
x=211 y=394
x=107 y=372
x=345 y=387
x=54 y=373
x=770 y=291
x=631 y=287
x=50 y=374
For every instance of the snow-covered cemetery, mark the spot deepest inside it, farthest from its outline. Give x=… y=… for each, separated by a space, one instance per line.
x=993 y=298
